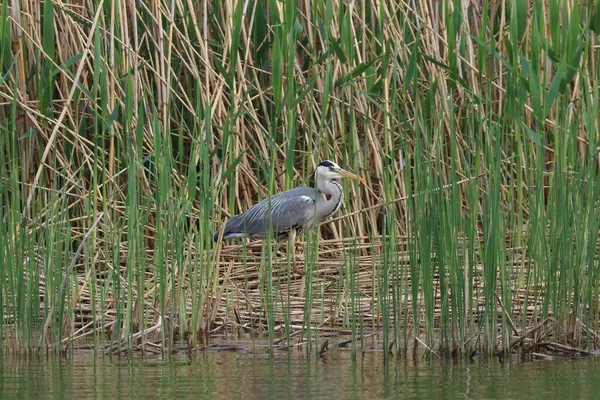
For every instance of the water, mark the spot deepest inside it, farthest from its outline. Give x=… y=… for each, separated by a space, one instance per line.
x=338 y=376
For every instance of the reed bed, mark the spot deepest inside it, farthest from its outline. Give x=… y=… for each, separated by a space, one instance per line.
x=131 y=130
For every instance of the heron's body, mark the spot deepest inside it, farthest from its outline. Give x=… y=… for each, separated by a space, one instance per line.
x=292 y=211
x=295 y=209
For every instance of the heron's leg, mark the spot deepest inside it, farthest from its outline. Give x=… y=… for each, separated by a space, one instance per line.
x=266 y=264
x=292 y=248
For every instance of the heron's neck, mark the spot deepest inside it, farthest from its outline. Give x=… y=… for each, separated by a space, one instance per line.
x=333 y=190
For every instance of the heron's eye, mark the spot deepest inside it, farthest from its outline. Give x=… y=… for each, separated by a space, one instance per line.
x=332 y=169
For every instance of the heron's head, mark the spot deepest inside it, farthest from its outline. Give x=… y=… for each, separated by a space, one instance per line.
x=329 y=170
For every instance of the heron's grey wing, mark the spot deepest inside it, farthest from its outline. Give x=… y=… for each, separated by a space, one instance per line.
x=292 y=209
x=288 y=210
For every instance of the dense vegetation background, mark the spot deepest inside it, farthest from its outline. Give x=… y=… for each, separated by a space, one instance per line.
x=131 y=129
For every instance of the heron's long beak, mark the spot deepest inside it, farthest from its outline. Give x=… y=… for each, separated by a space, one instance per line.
x=350 y=175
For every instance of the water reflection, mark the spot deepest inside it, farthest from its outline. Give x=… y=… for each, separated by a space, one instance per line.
x=285 y=376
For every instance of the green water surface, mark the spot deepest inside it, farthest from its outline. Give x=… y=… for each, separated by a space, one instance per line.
x=236 y=375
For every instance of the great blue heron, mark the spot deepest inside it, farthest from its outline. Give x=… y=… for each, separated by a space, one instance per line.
x=294 y=210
